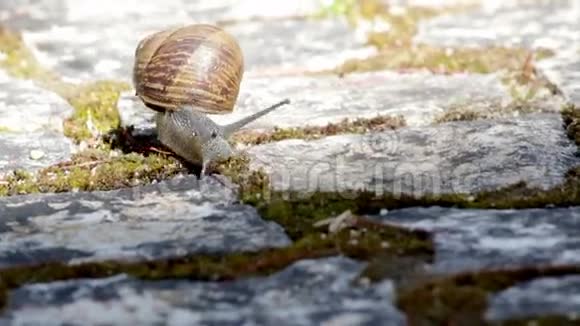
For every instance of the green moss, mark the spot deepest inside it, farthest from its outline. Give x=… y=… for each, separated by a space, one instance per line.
x=403 y=25
x=398 y=51
x=95 y=103
x=356 y=126
x=489 y=110
x=439 y=60
x=462 y=299
x=92 y=170
x=571 y=119
x=17 y=59
x=95 y=107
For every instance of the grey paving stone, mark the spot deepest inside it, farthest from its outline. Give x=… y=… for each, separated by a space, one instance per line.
x=317 y=101
x=564 y=71
x=540 y=297
x=87 y=40
x=471 y=239
x=551 y=24
x=25 y=107
x=31 y=123
x=311 y=292
x=172 y=218
x=460 y=157
x=33 y=150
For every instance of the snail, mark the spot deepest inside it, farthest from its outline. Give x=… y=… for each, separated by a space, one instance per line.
x=184 y=74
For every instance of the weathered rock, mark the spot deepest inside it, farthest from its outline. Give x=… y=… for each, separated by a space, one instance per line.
x=540 y=297
x=448 y=158
x=469 y=239
x=564 y=71
x=26 y=107
x=174 y=217
x=550 y=24
x=317 y=101
x=88 y=41
x=31 y=123
x=33 y=150
x=312 y=292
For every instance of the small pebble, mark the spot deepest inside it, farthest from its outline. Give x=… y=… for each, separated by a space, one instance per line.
x=36 y=154
x=384 y=212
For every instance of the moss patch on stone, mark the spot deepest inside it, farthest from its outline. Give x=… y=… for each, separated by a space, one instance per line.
x=439 y=60
x=491 y=110
x=90 y=171
x=462 y=299
x=571 y=120
x=346 y=126
x=18 y=60
x=94 y=103
x=398 y=51
x=402 y=21
x=95 y=107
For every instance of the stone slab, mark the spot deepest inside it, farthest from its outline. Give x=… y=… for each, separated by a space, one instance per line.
x=84 y=40
x=31 y=125
x=310 y=292
x=317 y=101
x=564 y=71
x=472 y=239
x=26 y=107
x=33 y=150
x=540 y=297
x=171 y=218
x=550 y=24
x=459 y=157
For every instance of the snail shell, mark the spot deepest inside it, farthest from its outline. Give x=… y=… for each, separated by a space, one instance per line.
x=196 y=65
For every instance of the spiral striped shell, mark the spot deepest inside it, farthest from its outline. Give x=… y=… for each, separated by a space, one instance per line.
x=199 y=65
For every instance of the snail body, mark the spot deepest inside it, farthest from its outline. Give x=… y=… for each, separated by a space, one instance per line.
x=184 y=74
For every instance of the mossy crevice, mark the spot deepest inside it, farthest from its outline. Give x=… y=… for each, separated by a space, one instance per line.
x=440 y=60
x=398 y=51
x=94 y=103
x=462 y=299
x=346 y=126
x=363 y=239
x=571 y=120
x=93 y=170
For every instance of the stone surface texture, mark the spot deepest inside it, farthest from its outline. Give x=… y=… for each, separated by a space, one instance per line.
x=475 y=239
x=316 y=101
x=459 y=157
x=31 y=119
x=310 y=292
x=87 y=41
x=179 y=217
x=543 y=296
